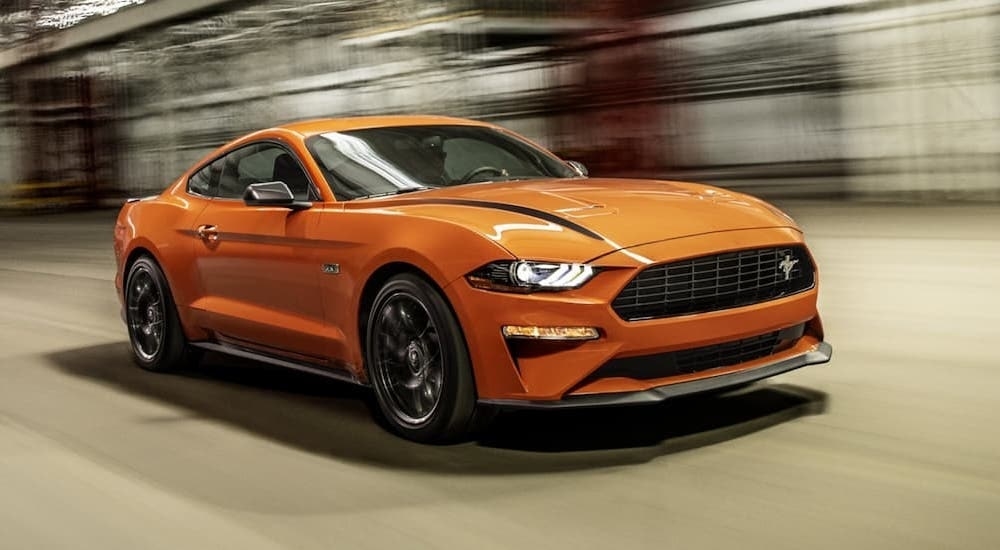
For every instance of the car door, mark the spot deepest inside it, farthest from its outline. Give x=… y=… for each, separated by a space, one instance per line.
x=258 y=271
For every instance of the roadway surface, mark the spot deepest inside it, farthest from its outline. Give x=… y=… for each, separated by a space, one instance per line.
x=895 y=444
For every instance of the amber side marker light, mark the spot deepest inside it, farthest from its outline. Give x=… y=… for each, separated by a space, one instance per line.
x=551 y=333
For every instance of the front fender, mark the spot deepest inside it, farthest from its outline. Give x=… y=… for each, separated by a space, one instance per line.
x=360 y=242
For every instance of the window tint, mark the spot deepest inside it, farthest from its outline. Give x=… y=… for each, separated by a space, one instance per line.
x=261 y=164
x=380 y=161
x=463 y=155
x=204 y=181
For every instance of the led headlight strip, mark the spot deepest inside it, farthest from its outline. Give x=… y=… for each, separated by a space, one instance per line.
x=531 y=276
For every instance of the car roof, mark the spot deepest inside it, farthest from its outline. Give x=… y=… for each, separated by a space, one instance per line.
x=313 y=127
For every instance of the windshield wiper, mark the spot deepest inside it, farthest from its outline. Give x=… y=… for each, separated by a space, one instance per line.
x=396 y=192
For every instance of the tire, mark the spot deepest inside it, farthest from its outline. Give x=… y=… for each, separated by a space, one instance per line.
x=419 y=365
x=154 y=329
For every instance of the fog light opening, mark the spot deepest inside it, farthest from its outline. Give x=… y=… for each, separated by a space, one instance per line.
x=550 y=333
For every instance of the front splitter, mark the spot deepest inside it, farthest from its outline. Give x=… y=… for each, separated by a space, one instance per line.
x=817 y=356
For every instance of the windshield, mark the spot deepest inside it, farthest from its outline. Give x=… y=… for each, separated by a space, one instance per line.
x=387 y=161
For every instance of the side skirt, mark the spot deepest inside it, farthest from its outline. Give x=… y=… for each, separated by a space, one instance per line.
x=341 y=375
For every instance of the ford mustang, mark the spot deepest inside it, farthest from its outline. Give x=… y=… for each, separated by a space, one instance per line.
x=457 y=269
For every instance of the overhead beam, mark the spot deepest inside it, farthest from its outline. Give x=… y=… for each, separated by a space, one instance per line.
x=102 y=29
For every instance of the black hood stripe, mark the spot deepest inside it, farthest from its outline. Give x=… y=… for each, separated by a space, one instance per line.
x=540 y=214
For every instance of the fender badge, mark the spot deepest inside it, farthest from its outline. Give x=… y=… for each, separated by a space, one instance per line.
x=331 y=269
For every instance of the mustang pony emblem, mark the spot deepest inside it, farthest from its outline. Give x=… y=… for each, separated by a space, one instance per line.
x=787 y=265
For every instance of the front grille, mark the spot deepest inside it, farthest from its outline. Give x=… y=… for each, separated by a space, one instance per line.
x=718 y=281
x=689 y=361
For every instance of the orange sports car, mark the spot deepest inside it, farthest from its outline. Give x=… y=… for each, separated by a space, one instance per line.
x=458 y=268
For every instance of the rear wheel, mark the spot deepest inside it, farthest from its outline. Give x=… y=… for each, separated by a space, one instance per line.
x=419 y=364
x=154 y=330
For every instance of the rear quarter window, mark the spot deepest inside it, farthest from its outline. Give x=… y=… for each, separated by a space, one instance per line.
x=201 y=182
x=205 y=181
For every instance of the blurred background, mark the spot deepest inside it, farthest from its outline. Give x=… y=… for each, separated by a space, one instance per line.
x=875 y=123
x=859 y=99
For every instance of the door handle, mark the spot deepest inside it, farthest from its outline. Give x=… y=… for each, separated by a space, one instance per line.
x=207 y=233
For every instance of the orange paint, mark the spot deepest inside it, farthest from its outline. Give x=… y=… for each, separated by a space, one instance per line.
x=262 y=282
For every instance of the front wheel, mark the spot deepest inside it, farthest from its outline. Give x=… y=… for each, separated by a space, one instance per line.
x=418 y=363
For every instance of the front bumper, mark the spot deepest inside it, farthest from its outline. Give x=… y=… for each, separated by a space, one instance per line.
x=821 y=354
x=527 y=372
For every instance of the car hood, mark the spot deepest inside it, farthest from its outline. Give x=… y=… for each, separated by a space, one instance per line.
x=581 y=219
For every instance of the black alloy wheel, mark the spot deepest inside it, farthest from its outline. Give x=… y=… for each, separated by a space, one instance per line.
x=154 y=330
x=418 y=363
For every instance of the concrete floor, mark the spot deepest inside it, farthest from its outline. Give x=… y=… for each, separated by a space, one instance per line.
x=893 y=445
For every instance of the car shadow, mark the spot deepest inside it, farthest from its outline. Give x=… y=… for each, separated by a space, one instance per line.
x=329 y=418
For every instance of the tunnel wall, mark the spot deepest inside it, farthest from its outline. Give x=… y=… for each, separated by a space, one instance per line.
x=8 y=142
x=921 y=104
x=823 y=98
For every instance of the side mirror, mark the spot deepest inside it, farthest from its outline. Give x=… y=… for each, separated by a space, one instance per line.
x=274 y=193
x=578 y=167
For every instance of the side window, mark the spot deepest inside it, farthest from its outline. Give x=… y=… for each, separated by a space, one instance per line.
x=205 y=180
x=260 y=164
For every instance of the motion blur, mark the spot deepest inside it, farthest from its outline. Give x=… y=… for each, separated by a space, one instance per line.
x=874 y=123
x=844 y=98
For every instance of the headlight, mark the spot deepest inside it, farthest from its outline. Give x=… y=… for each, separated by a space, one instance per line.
x=529 y=276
